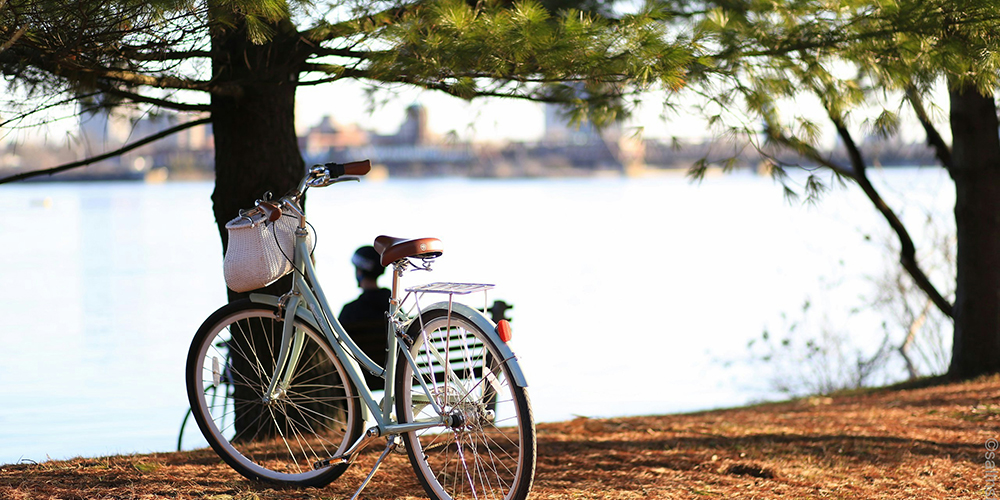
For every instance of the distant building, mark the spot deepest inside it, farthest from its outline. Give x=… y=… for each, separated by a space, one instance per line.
x=412 y=150
x=328 y=136
x=558 y=129
x=188 y=153
x=412 y=132
x=414 y=129
x=565 y=146
x=101 y=130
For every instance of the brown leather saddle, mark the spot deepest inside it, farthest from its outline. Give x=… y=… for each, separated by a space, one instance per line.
x=392 y=249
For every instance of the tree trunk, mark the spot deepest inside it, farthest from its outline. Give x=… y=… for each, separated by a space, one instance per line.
x=256 y=151
x=256 y=148
x=976 y=172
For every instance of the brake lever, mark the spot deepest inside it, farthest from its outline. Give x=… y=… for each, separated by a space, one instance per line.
x=323 y=182
x=345 y=179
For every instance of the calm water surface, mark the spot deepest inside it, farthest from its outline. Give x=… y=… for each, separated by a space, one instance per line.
x=629 y=294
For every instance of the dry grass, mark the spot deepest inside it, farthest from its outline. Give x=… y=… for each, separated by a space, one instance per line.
x=919 y=443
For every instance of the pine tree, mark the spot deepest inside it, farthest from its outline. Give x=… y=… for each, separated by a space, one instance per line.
x=241 y=62
x=855 y=55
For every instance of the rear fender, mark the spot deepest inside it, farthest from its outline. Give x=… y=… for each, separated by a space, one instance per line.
x=489 y=327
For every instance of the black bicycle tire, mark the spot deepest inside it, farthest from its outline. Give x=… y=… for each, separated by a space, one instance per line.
x=192 y=372
x=521 y=400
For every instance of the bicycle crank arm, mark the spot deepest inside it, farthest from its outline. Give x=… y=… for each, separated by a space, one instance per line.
x=326 y=462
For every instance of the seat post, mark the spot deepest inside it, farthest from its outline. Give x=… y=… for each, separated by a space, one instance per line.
x=397 y=271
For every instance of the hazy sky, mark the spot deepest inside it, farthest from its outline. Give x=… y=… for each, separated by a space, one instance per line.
x=486 y=120
x=480 y=119
x=497 y=119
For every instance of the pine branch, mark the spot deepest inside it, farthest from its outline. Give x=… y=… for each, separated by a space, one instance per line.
x=185 y=55
x=353 y=54
x=72 y=69
x=934 y=139
x=125 y=149
x=162 y=82
x=464 y=93
x=341 y=73
x=163 y=103
x=327 y=32
x=811 y=153
x=13 y=38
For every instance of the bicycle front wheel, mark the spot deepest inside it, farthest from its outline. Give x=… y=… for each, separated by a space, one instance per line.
x=487 y=450
x=311 y=414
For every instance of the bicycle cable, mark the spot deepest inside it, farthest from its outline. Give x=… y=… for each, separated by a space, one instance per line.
x=303 y=274
x=312 y=229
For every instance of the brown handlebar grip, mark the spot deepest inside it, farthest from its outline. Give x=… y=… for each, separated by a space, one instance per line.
x=358 y=167
x=272 y=211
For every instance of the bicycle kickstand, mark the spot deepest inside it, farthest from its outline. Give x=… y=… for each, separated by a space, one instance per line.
x=393 y=443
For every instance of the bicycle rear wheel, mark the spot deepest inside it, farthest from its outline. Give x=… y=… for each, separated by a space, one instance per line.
x=488 y=449
x=276 y=438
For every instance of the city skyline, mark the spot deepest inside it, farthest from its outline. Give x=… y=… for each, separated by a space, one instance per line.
x=479 y=120
x=484 y=120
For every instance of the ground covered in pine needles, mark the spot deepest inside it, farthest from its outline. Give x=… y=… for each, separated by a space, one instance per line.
x=929 y=442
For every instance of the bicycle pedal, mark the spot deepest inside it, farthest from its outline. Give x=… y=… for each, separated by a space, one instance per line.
x=327 y=462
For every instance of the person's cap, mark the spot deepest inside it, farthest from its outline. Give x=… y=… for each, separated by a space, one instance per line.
x=368 y=261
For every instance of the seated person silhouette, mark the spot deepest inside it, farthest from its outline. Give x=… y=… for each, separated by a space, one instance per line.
x=365 y=317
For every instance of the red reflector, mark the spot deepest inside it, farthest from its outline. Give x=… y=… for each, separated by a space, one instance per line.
x=504 y=331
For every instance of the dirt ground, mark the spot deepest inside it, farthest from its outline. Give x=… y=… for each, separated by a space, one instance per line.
x=929 y=442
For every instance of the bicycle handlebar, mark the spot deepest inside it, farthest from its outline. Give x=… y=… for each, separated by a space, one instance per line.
x=361 y=167
x=317 y=176
x=329 y=173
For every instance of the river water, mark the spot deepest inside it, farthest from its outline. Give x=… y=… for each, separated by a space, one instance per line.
x=631 y=295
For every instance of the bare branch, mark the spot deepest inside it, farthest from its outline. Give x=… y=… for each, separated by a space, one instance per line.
x=46 y=107
x=907 y=250
x=911 y=337
x=105 y=156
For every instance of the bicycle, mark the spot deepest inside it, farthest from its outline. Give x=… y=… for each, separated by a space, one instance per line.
x=276 y=388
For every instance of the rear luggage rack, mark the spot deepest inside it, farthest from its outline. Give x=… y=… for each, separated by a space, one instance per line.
x=451 y=288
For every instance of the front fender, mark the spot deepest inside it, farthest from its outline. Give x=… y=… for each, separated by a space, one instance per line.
x=302 y=313
x=489 y=327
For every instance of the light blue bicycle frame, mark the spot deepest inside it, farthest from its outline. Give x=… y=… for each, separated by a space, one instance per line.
x=307 y=302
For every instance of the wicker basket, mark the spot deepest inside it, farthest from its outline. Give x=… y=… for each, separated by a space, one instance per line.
x=259 y=252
